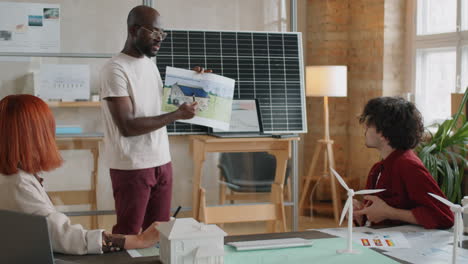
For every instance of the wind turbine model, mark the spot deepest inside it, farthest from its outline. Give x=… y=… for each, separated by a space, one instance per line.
x=458 y=226
x=349 y=206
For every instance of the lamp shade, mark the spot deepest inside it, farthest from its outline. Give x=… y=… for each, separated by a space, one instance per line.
x=326 y=81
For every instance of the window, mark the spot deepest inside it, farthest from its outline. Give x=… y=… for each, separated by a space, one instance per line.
x=276 y=16
x=436 y=71
x=464 y=14
x=435 y=16
x=440 y=55
x=464 y=67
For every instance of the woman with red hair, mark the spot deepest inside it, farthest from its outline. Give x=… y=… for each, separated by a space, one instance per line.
x=27 y=148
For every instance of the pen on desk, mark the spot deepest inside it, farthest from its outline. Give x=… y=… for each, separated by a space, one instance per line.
x=177 y=211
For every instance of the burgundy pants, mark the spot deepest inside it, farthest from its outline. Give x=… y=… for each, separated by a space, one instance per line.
x=141 y=197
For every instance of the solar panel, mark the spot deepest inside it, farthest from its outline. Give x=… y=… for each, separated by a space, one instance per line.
x=266 y=65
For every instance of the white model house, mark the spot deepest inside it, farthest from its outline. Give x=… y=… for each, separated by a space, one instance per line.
x=187 y=94
x=184 y=241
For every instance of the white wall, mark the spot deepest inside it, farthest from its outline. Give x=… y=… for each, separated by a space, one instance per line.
x=91 y=26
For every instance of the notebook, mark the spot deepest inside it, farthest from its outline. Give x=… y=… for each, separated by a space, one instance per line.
x=246 y=121
x=26 y=239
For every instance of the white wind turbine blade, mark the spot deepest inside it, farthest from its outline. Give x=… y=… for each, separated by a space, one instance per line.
x=346 y=208
x=443 y=200
x=457 y=225
x=369 y=191
x=457 y=232
x=459 y=228
x=338 y=177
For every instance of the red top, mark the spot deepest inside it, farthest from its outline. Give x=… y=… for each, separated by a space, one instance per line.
x=407 y=183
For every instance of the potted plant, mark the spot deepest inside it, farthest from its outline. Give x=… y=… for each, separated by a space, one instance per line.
x=444 y=153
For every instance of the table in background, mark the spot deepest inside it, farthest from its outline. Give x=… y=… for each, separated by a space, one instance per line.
x=273 y=212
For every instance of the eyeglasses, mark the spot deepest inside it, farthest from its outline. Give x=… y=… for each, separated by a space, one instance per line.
x=156 y=33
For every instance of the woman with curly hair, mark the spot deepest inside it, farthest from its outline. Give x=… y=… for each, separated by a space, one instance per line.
x=27 y=148
x=394 y=127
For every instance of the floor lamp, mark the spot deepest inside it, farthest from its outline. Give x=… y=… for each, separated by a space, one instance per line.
x=325 y=81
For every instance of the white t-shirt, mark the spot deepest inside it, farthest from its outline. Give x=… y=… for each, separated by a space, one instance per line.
x=139 y=79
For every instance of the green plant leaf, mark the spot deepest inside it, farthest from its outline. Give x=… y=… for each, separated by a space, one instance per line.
x=444 y=153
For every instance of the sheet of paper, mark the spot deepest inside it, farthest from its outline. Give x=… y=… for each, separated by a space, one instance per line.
x=145 y=252
x=428 y=246
x=212 y=92
x=372 y=238
x=29 y=27
x=384 y=240
x=323 y=251
x=430 y=255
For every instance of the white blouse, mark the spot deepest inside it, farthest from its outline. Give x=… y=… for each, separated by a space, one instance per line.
x=22 y=192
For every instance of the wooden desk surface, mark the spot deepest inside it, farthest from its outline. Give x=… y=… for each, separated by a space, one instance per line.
x=68 y=143
x=214 y=144
x=212 y=139
x=123 y=257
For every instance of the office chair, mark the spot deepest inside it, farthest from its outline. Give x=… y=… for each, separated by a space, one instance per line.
x=248 y=176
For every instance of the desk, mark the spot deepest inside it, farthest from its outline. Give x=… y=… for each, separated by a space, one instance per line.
x=273 y=212
x=84 y=196
x=123 y=257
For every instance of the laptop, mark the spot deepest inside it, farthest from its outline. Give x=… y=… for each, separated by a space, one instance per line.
x=246 y=121
x=25 y=239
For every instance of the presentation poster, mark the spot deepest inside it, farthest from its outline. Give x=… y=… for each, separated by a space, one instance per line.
x=29 y=27
x=212 y=92
x=63 y=82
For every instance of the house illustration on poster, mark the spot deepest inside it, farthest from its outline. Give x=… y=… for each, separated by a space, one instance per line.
x=187 y=94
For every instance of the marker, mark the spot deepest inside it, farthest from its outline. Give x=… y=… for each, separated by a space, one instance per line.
x=177 y=211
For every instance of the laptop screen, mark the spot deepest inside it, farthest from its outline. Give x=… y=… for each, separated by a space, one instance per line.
x=245 y=117
x=26 y=238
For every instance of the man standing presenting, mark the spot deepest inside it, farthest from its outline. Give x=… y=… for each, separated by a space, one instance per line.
x=136 y=145
x=394 y=127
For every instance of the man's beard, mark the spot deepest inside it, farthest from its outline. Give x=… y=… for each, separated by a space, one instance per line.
x=145 y=49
